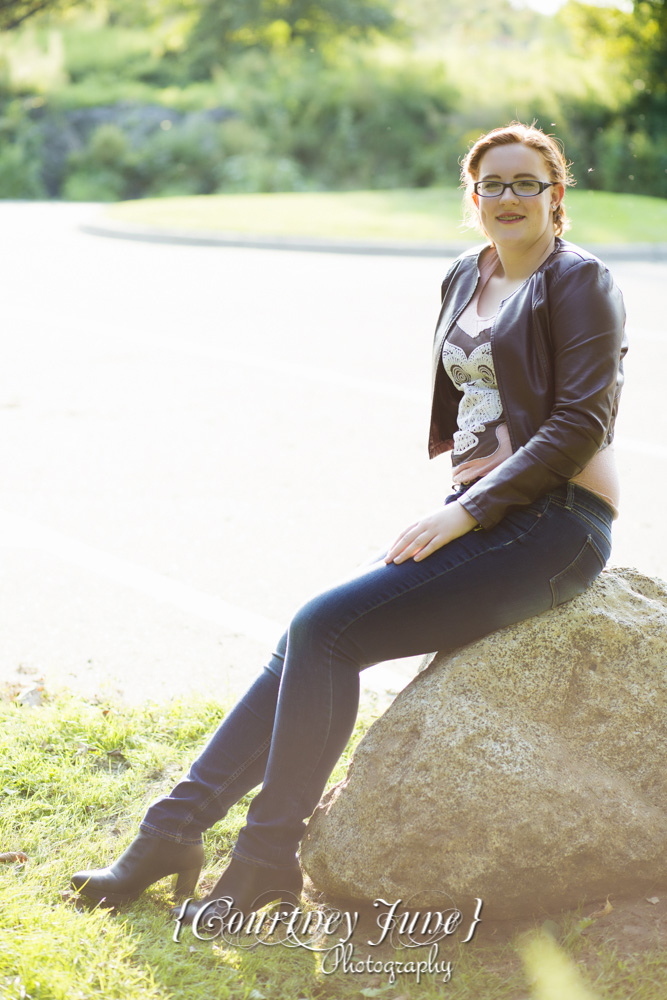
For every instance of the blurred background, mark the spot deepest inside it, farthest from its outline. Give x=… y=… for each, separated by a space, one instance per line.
x=195 y=438
x=116 y=99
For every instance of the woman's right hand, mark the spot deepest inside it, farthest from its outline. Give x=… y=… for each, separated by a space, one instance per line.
x=430 y=533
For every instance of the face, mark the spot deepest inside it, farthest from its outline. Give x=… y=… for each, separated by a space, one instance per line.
x=510 y=220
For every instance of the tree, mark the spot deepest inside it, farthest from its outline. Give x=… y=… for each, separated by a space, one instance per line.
x=227 y=26
x=15 y=12
x=651 y=16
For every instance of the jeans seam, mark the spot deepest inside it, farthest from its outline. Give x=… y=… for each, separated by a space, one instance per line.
x=304 y=783
x=582 y=500
x=582 y=515
x=155 y=831
x=588 y=521
x=202 y=806
x=255 y=863
x=553 y=582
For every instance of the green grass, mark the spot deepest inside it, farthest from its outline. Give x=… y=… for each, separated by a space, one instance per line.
x=423 y=215
x=76 y=778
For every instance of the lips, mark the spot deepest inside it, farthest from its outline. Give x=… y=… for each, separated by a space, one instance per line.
x=509 y=217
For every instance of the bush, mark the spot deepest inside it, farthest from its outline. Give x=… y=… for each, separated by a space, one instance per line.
x=258 y=172
x=100 y=172
x=631 y=161
x=20 y=173
x=184 y=158
x=21 y=152
x=357 y=123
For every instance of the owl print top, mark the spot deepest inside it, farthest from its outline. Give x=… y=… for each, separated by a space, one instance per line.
x=482 y=441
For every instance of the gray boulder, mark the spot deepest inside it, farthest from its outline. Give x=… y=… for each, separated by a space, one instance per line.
x=528 y=769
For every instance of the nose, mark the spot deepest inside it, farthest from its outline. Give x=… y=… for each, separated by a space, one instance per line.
x=508 y=195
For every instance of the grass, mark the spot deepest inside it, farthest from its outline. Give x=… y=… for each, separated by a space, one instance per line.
x=76 y=778
x=422 y=215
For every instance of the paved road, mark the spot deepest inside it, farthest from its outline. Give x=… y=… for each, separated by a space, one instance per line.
x=195 y=439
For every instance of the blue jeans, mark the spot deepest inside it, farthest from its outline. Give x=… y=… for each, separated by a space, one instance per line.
x=289 y=729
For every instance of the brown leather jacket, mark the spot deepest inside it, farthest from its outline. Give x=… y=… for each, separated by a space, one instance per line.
x=558 y=344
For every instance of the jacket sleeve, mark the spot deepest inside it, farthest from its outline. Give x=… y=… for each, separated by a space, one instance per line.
x=586 y=320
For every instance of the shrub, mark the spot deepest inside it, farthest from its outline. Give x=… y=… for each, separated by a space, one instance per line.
x=185 y=158
x=21 y=151
x=631 y=161
x=100 y=171
x=20 y=173
x=258 y=172
x=358 y=122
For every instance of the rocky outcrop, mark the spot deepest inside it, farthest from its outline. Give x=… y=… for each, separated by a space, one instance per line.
x=528 y=769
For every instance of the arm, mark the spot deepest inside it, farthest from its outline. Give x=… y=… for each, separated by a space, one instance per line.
x=430 y=533
x=586 y=322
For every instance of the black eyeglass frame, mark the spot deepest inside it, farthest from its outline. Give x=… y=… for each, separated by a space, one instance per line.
x=510 y=184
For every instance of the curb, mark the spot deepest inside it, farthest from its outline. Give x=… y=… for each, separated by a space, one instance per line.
x=313 y=244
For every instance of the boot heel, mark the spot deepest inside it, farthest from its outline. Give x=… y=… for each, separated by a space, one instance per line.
x=186 y=882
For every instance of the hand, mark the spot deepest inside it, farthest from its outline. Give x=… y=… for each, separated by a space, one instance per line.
x=430 y=533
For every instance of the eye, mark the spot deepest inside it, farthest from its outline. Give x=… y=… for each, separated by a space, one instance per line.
x=526 y=187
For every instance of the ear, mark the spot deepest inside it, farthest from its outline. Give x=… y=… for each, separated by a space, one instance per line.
x=557 y=196
x=475 y=198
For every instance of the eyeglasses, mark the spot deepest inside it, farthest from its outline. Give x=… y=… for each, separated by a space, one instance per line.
x=526 y=188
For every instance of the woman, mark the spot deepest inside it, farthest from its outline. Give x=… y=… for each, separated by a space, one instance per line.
x=526 y=378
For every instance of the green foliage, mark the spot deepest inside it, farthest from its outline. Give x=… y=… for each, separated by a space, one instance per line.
x=651 y=103
x=189 y=157
x=353 y=122
x=470 y=22
x=183 y=158
x=98 y=173
x=387 y=125
x=15 y=12
x=21 y=150
x=111 y=52
x=19 y=173
x=313 y=108
x=225 y=27
x=260 y=172
x=631 y=160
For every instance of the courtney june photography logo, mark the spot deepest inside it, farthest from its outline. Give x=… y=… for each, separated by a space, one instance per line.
x=330 y=933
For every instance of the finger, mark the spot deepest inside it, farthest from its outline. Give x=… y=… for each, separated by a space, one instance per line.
x=403 y=539
x=433 y=545
x=416 y=545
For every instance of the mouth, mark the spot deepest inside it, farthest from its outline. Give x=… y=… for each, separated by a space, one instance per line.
x=509 y=217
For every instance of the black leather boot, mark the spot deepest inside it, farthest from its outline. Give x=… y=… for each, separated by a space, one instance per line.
x=146 y=860
x=249 y=888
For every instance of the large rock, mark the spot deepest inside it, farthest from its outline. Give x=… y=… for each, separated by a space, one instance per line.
x=528 y=769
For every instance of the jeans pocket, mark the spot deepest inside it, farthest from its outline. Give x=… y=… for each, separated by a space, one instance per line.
x=579 y=575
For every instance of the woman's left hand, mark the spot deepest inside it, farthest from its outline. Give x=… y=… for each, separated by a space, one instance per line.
x=430 y=533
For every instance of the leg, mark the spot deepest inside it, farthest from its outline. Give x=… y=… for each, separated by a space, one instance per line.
x=534 y=559
x=169 y=841
x=230 y=765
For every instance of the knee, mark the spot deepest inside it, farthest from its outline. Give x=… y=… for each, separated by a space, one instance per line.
x=310 y=623
x=318 y=628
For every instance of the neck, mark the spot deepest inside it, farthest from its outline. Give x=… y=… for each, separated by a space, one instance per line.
x=519 y=264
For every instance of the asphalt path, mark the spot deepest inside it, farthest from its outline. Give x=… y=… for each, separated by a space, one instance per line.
x=194 y=440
